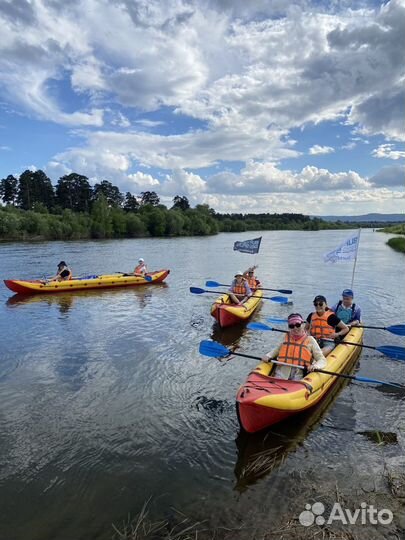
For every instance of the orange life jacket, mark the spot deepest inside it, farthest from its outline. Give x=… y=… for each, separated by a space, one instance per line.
x=252 y=282
x=296 y=352
x=319 y=327
x=140 y=269
x=240 y=289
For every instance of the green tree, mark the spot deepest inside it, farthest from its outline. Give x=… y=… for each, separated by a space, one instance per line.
x=182 y=203
x=149 y=197
x=135 y=226
x=101 y=222
x=73 y=191
x=131 y=203
x=33 y=187
x=8 y=189
x=112 y=194
x=174 y=223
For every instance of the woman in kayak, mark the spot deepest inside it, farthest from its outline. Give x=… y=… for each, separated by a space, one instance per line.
x=239 y=291
x=251 y=279
x=63 y=273
x=298 y=349
x=324 y=325
x=141 y=269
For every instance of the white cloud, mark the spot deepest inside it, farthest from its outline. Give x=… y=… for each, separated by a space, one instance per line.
x=349 y=146
x=149 y=123
x=316 y=149
x=303 y=65
x=387 y=151
x=268 y=178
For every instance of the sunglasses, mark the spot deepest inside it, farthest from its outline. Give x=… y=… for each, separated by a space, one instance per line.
x=296 y=325
x=318 y=304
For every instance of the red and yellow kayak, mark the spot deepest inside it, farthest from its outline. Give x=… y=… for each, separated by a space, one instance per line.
x=91 y=282
x=227 y=313
x=264 y=400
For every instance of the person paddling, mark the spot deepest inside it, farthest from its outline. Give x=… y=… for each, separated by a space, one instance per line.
x=140 y=269
x=323 y=324
x=347 y=310
x=251 y=279
x=298 y=349
x=63 y=273
x=239 y=291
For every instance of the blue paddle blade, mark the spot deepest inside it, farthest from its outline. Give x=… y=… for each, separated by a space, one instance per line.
x=275 y=320
x=398 y=353
x=258 y=326
x=398 y=329
x=196 y=290
x=279 y=299
x=376 y=381
x=148 y=278
x=213 y=349
x=214 y=284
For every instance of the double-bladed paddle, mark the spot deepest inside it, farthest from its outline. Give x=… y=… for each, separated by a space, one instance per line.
x=216 y=284
x=126 y=274
x=279 y=299
x=216 y=350
x=397 y=353
x=397 y=329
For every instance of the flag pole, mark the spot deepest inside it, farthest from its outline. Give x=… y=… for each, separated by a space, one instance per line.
x=355 y=258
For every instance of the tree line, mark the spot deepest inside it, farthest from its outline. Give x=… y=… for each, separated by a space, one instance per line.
x=73 y=209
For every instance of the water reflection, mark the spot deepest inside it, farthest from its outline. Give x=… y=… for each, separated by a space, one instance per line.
x=260 y=453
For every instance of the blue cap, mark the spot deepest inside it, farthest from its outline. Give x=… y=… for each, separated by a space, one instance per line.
x=348 y=292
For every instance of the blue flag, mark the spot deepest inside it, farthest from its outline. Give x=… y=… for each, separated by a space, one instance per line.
x=248 y=246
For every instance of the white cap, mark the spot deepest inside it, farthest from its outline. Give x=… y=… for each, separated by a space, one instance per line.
x=141 y=260
x=239 y=273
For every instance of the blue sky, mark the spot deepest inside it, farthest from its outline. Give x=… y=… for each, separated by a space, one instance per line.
x=241 y=105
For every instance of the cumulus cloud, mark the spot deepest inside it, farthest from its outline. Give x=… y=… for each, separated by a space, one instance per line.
x=387 y=151
x=280 y=65
x=316 y=149
x=268 y=178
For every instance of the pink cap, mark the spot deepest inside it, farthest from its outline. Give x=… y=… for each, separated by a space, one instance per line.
x=295 y=318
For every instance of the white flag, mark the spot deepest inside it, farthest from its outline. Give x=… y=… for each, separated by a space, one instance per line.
x=346 y=251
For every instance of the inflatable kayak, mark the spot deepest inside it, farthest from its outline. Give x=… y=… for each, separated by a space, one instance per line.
x=80 y=284
x=264 y=400
x=228 y=314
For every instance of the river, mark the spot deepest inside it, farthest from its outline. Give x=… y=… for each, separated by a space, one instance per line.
x=106 y=402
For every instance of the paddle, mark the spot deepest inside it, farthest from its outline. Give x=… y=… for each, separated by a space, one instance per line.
x=216 y=284
x=397 y=353
x=147 y=278
x=279 y=299
x=216 y=350
x=397 y=329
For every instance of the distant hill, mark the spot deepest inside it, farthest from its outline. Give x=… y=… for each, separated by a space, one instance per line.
x=380 y=218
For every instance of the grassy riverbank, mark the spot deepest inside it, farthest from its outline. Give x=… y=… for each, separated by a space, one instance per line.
x=397 y=243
